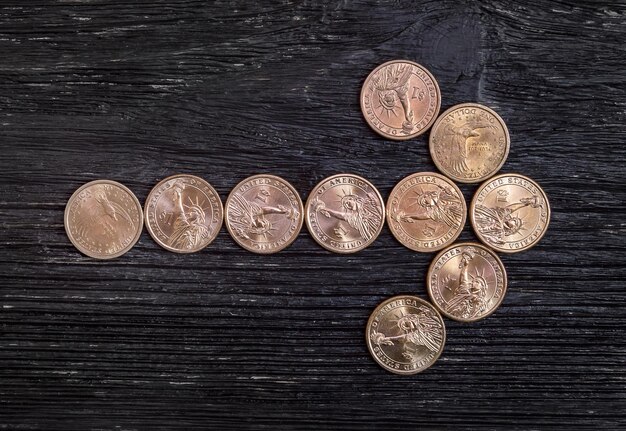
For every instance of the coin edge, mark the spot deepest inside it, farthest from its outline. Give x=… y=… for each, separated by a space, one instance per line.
x=301 y=207
x=308 y=223
x=471 y=213
x=494 y=171
x=440 y=176
x=430 y=123
x=135 y=237
x=149 y=228
x=368 y=341
x=444 y=251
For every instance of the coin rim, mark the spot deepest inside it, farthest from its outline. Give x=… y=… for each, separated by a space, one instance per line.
x=308 y=221
x=491 y=172
x=430 y=272
x=149 y=228
x=473 y=203
x=430 y=123
x=301 y=218
x=447 y=180
x=79 y=247
x=368 y=341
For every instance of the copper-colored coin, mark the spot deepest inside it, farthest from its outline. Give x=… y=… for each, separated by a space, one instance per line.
x=264 y=214
x=469 y=143
x=345 y=213
x=405 y=334
x=103 y=219
x=510 y=213
x=426 y=211
x=400 y=99
x=466 y=282
x=183 y=213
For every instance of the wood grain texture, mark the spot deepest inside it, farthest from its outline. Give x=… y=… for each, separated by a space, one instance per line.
x=225 y=339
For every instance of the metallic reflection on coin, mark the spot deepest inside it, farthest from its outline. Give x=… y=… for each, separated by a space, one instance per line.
x=264 y=214
x=466 y=282
x=400 y=99
x=510 y=213
x=183 y=213
x=426 y=211
x=345 y=213
x=103 y=219
x=469 y=143
x=405 y=334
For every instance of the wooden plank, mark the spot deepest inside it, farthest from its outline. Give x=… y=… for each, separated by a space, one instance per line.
x=228 y=339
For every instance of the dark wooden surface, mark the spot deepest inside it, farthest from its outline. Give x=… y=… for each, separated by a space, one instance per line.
x=224 y=339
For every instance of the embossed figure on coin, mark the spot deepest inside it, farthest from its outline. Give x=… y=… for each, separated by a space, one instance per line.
x=249 y=219
x=392 y=83
x=405 y=334
x=466 y=282
x=426 y=211
x=400 y=99
x=361 y=214
x=264 y=213
x=499 y=222
x=510 y=213
x=187 y=219
x=440 y=205
x=469 y=289
x=345 y=213
x=104 y=215
x=461 y=139
x=183 y=213
x=469 y=142
x=103 y=219
x=421 y=329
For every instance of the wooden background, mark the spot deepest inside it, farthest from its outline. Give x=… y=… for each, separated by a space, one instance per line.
x=224 y=339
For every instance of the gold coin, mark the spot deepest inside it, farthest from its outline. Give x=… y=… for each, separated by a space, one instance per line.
x=426 y=211
x=345 y=213
x=469 y=143
x=466 y=282
x=400 y=99
x=510 y=213
x=405 y=334
x=184 y=213
x=103 y=219
x=264 y=214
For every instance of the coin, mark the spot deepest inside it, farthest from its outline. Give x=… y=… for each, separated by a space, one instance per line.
x=510 y=213
x=183 y=213
x=103 y=219
x=469 y=143
x=426 y=211
x=405 y=334
x=466 y=282
x=400 y=99
x=264 y=214
x=345 y=213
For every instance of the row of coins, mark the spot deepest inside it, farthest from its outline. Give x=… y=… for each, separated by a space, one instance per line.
x=344 y=213
x=469 y=143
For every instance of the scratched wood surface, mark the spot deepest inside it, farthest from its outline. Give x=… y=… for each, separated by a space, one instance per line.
x=225 y=339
